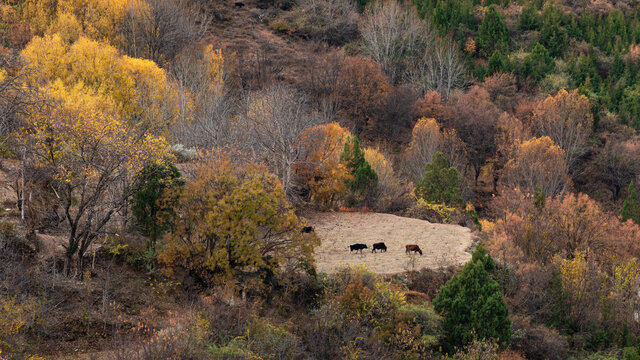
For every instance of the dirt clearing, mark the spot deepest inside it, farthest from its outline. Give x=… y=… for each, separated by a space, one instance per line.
x=441 y=244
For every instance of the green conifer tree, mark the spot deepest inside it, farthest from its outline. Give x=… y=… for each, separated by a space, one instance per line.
x=364 y=177
x=537 y=64
x=498 y=62
x=493 y=33
x=472 y=305
x=630 y=206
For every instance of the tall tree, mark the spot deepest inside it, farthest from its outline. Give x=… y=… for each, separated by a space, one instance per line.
x=493 y=33
x=235 y=225
x=93 y=155
x=566 y=118
x=364 y=177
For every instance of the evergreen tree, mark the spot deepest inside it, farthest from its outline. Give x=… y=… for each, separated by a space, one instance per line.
x=498 y=62
x=537 y=64
x=364 y=177
x=553 y=35
x=152 y=205
x=440 y=183
x=472 y=305
x=493 y=33
x=617 y=68
x=631 y=207
x=529 y=18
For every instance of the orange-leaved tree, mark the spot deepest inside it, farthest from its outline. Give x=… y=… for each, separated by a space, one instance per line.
x=322 y=170
x=92 y=154
x=234 y=223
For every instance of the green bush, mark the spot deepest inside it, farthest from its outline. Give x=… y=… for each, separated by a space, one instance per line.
x=472 y=306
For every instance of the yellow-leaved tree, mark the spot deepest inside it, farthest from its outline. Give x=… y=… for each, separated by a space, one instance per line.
x=322 y=170
x=92 y=155
x=137 y=87
x=390 y=189
x=235 y=224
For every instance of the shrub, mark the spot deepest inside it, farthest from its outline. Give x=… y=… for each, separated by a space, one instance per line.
x=272 y=342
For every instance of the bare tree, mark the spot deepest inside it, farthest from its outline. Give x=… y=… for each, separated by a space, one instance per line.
x=394 y=36
x=206 y=106
x=276 y=119
x=441 y=68
x=158 y=29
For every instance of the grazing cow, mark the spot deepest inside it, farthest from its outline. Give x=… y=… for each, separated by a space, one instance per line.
x=357 y=247
x=307 y=230
x=239 y=4
x=414 y=248
x=379 y=246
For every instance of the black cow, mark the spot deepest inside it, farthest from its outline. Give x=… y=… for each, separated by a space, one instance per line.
x=379 y=246
x=357 y=247
x=307 y=230
x=414 y=248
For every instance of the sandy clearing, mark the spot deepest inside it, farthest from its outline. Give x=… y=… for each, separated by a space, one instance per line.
x=442 y=244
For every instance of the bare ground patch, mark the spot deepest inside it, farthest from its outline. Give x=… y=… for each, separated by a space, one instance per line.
x=442 y=244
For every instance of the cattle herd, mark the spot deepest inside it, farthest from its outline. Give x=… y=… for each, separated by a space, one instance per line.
x=376 y=246
x=383 y=248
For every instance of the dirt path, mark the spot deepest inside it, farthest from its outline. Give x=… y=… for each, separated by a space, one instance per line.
x=442 y=245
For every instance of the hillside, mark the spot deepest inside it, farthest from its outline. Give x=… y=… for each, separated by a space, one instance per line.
x=161 y=161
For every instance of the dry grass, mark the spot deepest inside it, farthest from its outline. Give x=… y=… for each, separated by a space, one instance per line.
x=442 y=245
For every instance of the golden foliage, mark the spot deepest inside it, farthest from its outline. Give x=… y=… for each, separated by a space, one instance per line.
x=82 y=135
x=538 y=162
x=389 y=186
x=137 y=87
x=566 y=118
x=233 y=221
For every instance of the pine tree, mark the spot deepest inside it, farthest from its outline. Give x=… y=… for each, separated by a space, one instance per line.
x=440 y=183
x=493 y=33
x=553 y=35
x=498 y=62
x=529 y=18
x=364 y=177
x=472 y=305
x=537 y=64
x=631 y=207
x=152 y=203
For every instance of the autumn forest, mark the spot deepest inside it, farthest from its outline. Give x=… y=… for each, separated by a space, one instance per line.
x=172 y=172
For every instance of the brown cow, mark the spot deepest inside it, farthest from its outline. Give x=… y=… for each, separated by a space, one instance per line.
x=414 y=248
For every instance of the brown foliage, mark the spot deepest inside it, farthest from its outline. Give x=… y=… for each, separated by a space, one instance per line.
x=474 y=117
x=538 y=342
x=502 y=89
x=561 y=227
x=362 y=91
